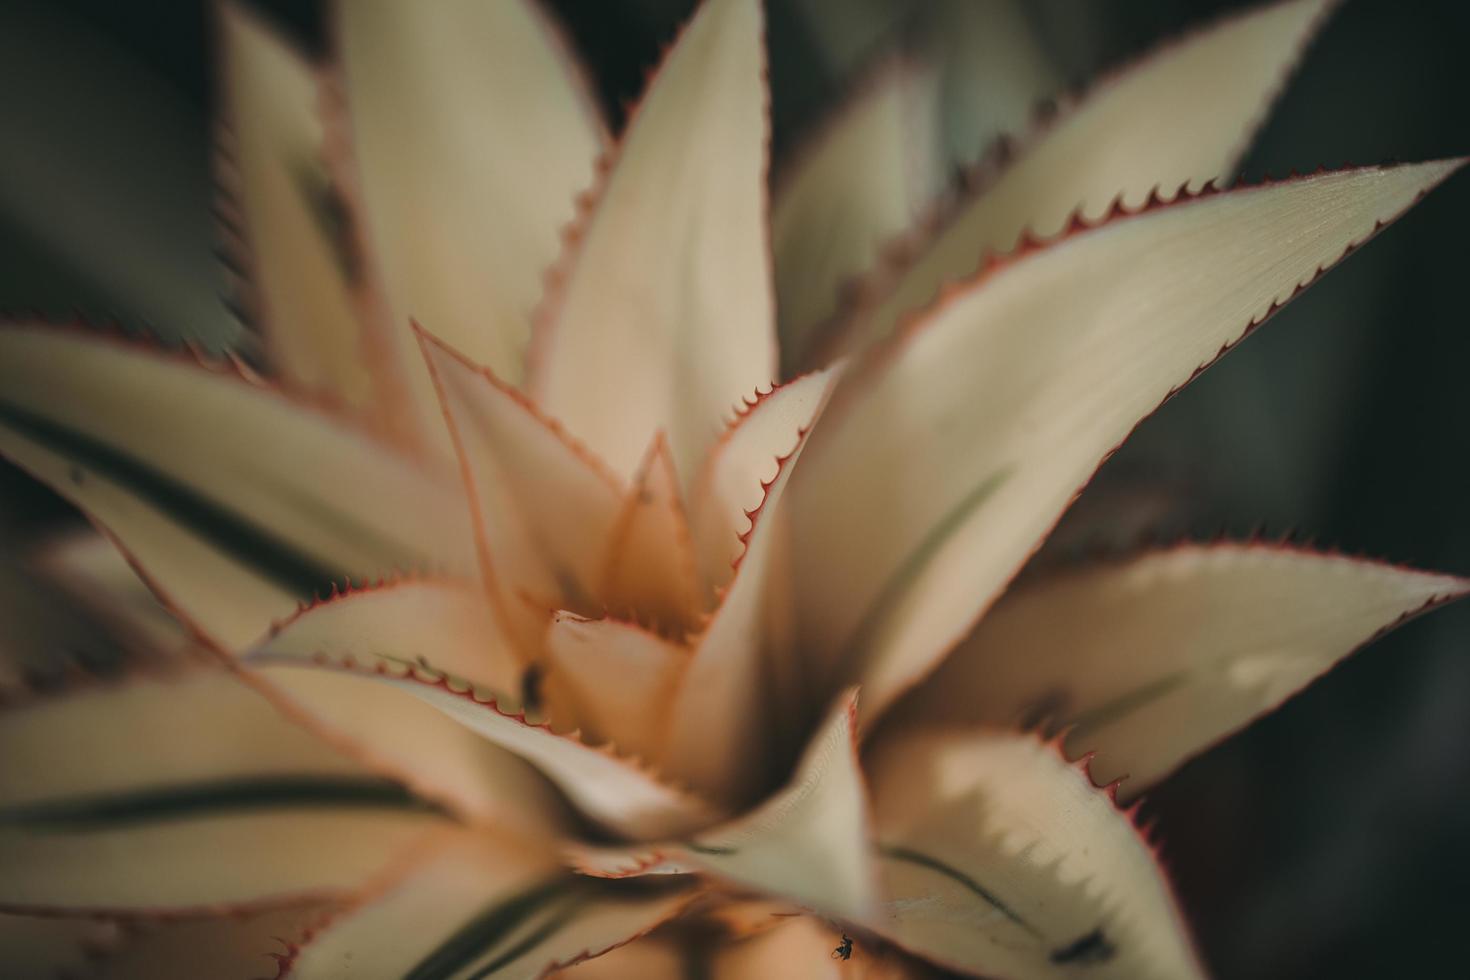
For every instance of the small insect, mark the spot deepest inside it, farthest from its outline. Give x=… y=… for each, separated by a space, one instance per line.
x=844 y=950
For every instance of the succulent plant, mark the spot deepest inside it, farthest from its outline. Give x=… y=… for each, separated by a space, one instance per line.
x=525 y=608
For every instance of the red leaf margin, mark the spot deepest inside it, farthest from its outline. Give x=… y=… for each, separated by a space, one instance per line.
x=880 y=357
x=864 y=291
x=575 y=233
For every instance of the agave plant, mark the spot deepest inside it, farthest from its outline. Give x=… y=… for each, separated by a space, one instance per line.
x=527 y=616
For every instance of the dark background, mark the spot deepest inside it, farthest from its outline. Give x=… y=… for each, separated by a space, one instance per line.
x=1330 y=840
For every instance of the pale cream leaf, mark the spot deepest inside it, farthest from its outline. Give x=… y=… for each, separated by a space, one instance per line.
x=1185 y=115
x=310 y=283
x=233 y=499
x=472 y=135
x=1148 y=661
x=620 y=676
x=666 y=318
x=1000 y=858
x=947 y=455
x=373 y=674
x=185 y=792
x=861 y=180
x=477 y=910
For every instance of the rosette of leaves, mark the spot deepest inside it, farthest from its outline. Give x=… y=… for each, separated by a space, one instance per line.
x=525 y=610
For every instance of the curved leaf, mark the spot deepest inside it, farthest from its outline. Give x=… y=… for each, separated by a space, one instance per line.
x=861 y=180
x=720 y=738
x=473 y=910
x=373 y=674
x=1001 y=858
x=1149 y=661
x=472 y=134
x=544 y=507
x=396 y=625
x=807 y=842
x=669 y=294
x=620 y=677
x=1182 y=117
x=735 y=476
x=185 y=792
x=234 y=500
x=305 y=267
x=957 y=445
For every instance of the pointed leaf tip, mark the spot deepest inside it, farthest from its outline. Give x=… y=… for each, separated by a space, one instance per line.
x=1180 y=116
x=1001 y=857
x=444 y=98
x=670 y=292
x=1143 y=662
x=1021 y=381
x=542 y=504
x=650 y=571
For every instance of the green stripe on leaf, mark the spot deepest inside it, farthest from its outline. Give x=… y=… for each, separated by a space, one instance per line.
x=201 y=800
